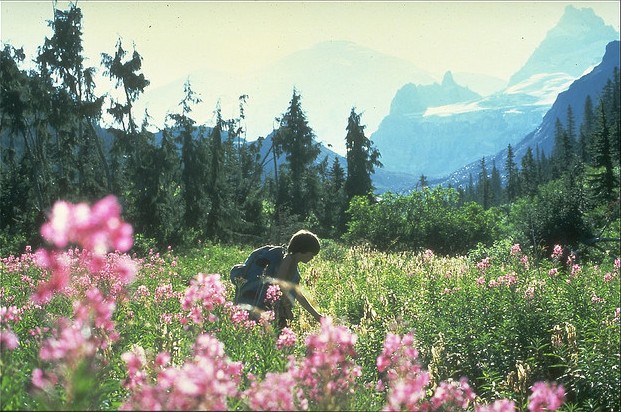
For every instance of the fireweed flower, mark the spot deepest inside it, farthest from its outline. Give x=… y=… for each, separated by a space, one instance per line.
x=272 y=294
x=455 y=394
x=203 y=383
x=516 y=249
x=557 y=253
x=483 y=264
x=98 y=228
x=406 y=380
x=546 y=397
x=617 y=263
x=276 y=392
x=287 y=338
x=8 y=340
x=327 y=374
x=553 y=272
x=203 y=295
x=500 y=405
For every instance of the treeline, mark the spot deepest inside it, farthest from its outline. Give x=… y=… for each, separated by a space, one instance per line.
x=190 y=183
x=570 y=197
x=187 y=184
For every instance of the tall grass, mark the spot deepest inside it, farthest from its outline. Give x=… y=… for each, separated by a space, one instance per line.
x=410 y=331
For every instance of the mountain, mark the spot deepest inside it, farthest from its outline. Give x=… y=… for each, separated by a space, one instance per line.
x=344 y=75
x=436 y=137
x=591 y=84
x=580 y=28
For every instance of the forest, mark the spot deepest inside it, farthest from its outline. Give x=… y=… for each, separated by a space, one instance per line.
x=191 y=183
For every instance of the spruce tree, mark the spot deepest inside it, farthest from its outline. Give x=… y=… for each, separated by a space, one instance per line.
x=528 y=175
x=78 y=151
x=513 y=185
x=484 y=195
x=362 y=158
x=295 y=139
x=602 y=175
x=586 y=130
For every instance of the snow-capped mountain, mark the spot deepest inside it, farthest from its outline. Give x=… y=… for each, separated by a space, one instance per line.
x=542 y=138
x=421 y=136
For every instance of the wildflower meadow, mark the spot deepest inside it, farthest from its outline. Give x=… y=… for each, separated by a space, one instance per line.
x=86 y=324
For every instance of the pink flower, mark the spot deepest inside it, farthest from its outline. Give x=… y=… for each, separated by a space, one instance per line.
x=275 y=393
x=287 y=338
x=458 y=395
x=142 y=292
x=8 y=340
x=516 y=249
x=43 y=380
x=596 y=299
x=483 y=264
x=575 y=269
x=162 y=359
x=553 y=272
x=617 y=263
x=272 y=294
x=98 y=228
x=501 y=405
x=546 y=397
x=557 y=252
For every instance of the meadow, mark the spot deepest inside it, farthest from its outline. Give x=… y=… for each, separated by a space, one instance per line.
x=87 y=325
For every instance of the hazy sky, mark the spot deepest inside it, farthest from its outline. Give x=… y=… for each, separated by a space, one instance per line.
x=232 y=40
x=175 y=38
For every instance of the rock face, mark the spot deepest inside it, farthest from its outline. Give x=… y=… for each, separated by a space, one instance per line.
x=591 y=84
x=437 y=129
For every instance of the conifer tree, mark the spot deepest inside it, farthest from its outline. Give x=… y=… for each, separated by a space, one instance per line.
x=602 y=175
x=586 y=130
x=528 y=175
x=483 y=186
x=336 y=200
x=362 y=158
x=78 y=149
x=495 y=184
x=193 y=162
x=169 y=204
x=513 y=185
x=216 y=190
x=295 y=139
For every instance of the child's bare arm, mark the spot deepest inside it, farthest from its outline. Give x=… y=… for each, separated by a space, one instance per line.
x=308 y=306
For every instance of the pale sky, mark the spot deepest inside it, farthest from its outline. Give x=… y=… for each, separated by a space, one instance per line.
x=177 y=37
x=237 y=39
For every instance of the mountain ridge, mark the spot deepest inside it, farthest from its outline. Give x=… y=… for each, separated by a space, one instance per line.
x=442 y=138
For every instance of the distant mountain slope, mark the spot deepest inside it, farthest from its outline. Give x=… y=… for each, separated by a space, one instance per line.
x=542 y=137
x=580 y=28
x=421 y=136
x=342 y=75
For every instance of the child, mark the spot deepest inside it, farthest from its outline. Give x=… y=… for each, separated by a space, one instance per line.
x=280 y=266
x=303 y=246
